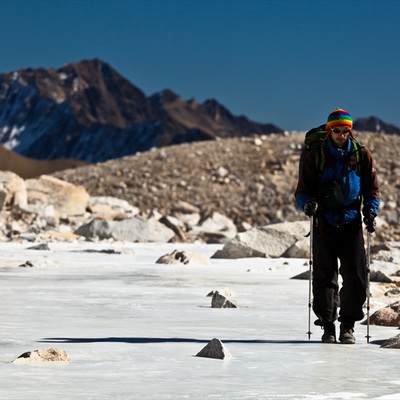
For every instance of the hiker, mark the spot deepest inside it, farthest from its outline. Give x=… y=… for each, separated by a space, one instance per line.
x=339 y=194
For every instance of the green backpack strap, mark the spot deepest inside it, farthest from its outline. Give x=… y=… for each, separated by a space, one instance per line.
x=320 y=156
x=359 y=153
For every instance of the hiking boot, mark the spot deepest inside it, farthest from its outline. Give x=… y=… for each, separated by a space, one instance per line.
x=329 y=335
x=346 y=334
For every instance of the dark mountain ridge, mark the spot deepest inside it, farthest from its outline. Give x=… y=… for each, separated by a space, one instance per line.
x=374 y=124
x=87 y=111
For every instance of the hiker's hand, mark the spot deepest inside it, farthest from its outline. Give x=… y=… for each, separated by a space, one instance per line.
x=370 y=222
x=310 y=208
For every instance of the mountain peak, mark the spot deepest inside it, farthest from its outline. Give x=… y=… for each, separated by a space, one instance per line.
x=88 y=111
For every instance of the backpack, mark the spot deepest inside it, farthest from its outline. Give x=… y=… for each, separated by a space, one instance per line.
x=313 y=140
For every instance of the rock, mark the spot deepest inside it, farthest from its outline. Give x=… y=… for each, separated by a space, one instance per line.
x=303 y=276
x=384 y=267
x=42 y=246
x=26 y=264
x=108 y=207
x=388 y=316
x=223 y=299
x=182 y=257
x=300 y=249
x=189 y=220
x=216 y=226
x=395 y=292
x=384 y=255
x=12 y=190
x=136 y=229
x=41 y=263
x=378 y=276
x=42 y=355
x=185 y=208
x=267 y=241
x=215 y=349
x=176 y=226
x=66 y=198
x=392 y=343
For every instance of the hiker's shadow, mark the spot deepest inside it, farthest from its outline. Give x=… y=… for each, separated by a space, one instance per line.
x=143 y=340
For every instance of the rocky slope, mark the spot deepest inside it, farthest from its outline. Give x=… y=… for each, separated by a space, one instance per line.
x=251 y=180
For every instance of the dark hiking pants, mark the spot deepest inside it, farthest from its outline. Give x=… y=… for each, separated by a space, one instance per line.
x=346 y=245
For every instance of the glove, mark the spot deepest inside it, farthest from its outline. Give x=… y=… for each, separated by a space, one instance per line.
x=310 y=208
x=369 y=221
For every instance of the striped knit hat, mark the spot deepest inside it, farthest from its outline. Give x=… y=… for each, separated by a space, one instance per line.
x=339 y=117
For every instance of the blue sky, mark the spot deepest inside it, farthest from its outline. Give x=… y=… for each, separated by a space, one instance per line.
x=288 y=62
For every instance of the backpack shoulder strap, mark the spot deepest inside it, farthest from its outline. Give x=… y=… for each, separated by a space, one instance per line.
x=358 y=150
x=320 y=157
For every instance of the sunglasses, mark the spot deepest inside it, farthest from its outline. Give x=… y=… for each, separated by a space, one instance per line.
x=345 y=131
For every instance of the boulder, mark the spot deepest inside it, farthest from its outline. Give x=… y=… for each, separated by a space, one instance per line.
x=108 y=207
x=216 y=228
x=12 y=190
x=299 y=249
x=267 y=241
x=136 y=229
x=303 y=275
x=392 y=343
x=175 y=225
x=42 y=355
x=66 y=198
x=379 y=276
x=387 y=316
x=223 y=299
x=215 y=349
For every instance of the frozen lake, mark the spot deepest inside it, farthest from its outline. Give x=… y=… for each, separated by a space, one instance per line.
x=132 y=329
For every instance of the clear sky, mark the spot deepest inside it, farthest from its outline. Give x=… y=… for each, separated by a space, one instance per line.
x=288 y=62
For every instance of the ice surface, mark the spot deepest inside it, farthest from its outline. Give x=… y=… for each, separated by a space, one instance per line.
x=132 y=329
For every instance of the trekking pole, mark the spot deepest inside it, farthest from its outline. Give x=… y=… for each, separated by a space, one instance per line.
x=368 y=280
x=310 y=263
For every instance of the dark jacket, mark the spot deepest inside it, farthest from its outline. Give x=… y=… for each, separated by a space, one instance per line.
x=356 y=182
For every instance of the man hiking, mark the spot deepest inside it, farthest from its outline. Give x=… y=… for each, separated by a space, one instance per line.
x=338 y=185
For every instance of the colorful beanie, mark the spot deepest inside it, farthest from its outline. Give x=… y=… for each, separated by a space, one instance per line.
x=339 y=117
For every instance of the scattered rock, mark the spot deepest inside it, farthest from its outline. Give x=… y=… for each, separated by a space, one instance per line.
x=111 y=208
x=392 y=343
x=267 y=241
x=26 y=264
x=379 y=276
x=395 y=292
x=387 y=316
x=182 y=257
x=66 y=198
x=42 y=246
x=136 y=229
x=224 y=299
x=102 y=251
x=300 y=249
x=42 y=355
x=12 y=190
x=41 y=263
x=215 y=349
x=303 y=276
x=216 y=226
